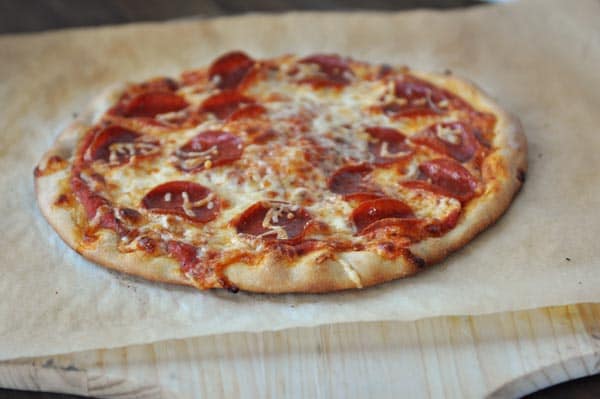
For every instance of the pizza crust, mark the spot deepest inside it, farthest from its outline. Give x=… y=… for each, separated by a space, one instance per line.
x=503 y=172
x=63 y=219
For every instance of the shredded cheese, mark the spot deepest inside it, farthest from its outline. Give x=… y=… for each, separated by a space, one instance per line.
x=193 y=159
x=449 y=134
x=188 y=207
x=384 y=151
x=130 y=150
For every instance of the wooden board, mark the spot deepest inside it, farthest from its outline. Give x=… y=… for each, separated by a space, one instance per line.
x=502 y=355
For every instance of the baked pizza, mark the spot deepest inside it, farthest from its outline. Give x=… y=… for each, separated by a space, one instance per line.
x=290 y=174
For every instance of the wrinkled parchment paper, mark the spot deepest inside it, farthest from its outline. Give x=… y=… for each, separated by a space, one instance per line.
x=540 y=59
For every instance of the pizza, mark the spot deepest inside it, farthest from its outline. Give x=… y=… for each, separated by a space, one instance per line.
x=290 y=174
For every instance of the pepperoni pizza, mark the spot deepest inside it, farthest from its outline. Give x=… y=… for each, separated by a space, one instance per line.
x=290 y=174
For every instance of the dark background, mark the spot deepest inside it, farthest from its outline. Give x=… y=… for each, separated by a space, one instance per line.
x=21 y=16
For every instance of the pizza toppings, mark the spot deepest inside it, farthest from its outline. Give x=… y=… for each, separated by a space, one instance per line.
x=450 y=178
x=117 y=145
x=372 y=211
x=184 y=253
x=208 y=149
x=183 y=198
x=350 y=181
x=230 y=69
x=455 y=139
x=274 y=220
x=387 y=145
x=411 y=97
x=225 y=103
x=327 y=163
x=150 y=104
x=331 y=70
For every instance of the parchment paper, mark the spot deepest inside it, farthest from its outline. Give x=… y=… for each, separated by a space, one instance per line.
x=541 y=59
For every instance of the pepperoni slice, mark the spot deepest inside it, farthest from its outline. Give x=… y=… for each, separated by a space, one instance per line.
x=183 y=198
x=274 y=220
x=450 y=177
x=455 y=139
x=225 y=103
x=375 y=210
x=417 y=98
x=388 y=145
x=230 y=69
x=350 y=182
x=150 y=104
x=99 y=148
x=208 y=149
x=334 y=70
x=117 y=145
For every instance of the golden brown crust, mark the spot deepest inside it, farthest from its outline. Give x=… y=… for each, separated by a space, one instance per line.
x=104 y=250
x=502 y=171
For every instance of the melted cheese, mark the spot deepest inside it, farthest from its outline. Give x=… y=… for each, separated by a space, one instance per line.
x=317 y=132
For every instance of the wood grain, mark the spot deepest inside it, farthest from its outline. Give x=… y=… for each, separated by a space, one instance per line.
x=503 y=355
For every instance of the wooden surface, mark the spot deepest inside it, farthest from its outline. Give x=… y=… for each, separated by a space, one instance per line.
x=501 y=356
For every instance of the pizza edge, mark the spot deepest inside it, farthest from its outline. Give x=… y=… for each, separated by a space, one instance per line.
x=62 y=219
x=503 y=173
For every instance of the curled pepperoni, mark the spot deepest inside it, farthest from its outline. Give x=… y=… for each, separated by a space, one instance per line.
x=350 y=182
x=417 y=98
x=450 y=177
x=183 y=198
x=375 y=210
x=274 y=221
x=150 y=104
x=333 y=70
x=455 y=139
x=208 y=149
x=99 y=148
x=117 y=145
x=387 y=144
x=225 y=103
x=230 y=69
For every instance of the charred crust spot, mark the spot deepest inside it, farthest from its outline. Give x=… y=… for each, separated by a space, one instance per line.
x=233 y=289
x=415 y=260
x=521 y=175
x=225 y=283
x=37 y=172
